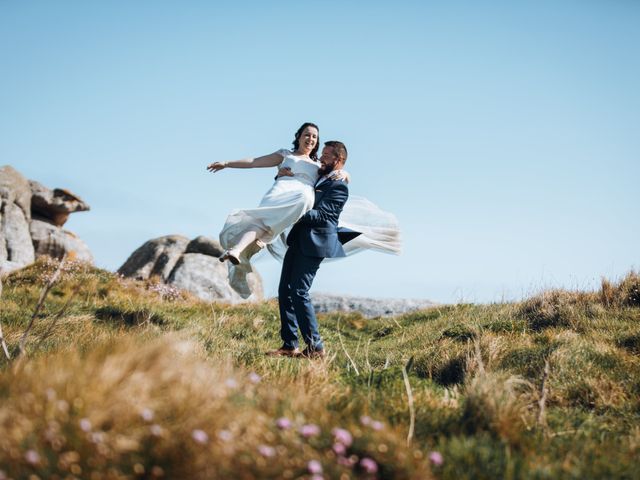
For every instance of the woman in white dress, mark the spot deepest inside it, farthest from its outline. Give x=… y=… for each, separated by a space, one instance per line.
x=247 y=231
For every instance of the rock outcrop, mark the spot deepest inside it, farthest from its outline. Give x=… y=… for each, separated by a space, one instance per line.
x=31 y=217
x=188 y=265
x=55 y=242
x=54 y=206
x=369 y=307
x=155 y=258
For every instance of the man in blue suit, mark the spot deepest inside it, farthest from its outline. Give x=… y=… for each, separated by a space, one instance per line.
x=313 y=238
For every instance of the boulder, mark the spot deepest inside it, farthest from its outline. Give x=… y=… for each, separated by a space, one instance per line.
x=14 y=188
x=205 y=246
x=54 y=205
x=206 y=277
x=156 y=257
x=188 y=265
x=55 y=242
x=16 y=249
x=30 y=217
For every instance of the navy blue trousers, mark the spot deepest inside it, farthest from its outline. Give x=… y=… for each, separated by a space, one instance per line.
x=296 y=310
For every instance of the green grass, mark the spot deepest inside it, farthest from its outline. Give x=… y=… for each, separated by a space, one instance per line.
x=117 y=378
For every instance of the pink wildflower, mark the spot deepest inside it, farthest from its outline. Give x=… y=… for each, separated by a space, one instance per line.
x=436 y=458
x=200 y=436
x=369 y=465
x=266 y=451
x=339 y=448
x=314 y=467
x=376 y=425
x=231 y=383
x=254 y=378
x=85 y=425
x=283 y=423
x=32 y=457
x=365 y=420
x=3 y=475
x=156 y=430
x=342 y=436
x=309 y=430
x=225 y=435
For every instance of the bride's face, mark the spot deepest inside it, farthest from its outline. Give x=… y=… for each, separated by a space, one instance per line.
x=308 y=140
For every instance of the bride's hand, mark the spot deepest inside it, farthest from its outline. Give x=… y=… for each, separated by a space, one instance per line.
x=285 y=172
x=216 y=166
x=344 y=176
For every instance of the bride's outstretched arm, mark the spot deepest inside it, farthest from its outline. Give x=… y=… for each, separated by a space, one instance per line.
x=270 y=160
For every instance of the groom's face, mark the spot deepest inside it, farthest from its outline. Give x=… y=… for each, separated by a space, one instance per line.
x=328 y=159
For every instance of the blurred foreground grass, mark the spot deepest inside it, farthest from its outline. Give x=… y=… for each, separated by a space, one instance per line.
x=124 y=379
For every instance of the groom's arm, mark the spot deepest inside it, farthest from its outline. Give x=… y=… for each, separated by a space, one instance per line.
x=329 y=208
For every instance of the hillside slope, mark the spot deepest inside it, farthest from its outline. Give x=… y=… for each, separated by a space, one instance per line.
x=124 y=379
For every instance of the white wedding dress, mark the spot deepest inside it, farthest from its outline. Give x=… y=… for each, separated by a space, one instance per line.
x=286 y=201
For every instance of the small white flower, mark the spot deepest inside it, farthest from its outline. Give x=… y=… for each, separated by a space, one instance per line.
x=51 y=396
x=147 y=414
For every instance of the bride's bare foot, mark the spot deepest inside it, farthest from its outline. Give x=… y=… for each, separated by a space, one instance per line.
x=230 y=255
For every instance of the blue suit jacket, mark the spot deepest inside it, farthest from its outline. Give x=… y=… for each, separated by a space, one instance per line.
x=317 y=234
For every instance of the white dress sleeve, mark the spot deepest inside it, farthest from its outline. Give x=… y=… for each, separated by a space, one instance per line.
x=283 y=152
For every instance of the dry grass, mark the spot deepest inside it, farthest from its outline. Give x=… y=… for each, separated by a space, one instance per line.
x=500 y=404
x=132 y=410
x=132 y=381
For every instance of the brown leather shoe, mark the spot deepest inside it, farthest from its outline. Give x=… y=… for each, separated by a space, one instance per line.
x=311 y=354
x=284 y=352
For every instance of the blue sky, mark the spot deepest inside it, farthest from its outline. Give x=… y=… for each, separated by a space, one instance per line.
x=503 y=135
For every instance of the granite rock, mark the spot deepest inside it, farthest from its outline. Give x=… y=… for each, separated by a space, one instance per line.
x=56 y=242
x=15 y=214
x=155 y=257
x=54 y=205
x=206 y=277
x=205 y=246
x=188 y=265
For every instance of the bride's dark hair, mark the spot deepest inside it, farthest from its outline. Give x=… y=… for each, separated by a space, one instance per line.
x=296 y=142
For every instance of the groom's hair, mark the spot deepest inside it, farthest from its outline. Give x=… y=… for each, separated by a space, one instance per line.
x=339 y=149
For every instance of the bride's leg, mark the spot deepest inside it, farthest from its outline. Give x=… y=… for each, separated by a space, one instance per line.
x=247 y=238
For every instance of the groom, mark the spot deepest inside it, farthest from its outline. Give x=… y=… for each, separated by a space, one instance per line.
x=315 y=237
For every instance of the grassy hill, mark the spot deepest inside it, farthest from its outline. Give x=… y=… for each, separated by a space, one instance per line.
x=123 y=379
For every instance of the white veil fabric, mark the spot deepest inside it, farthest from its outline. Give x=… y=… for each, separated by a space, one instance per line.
x=379 y=230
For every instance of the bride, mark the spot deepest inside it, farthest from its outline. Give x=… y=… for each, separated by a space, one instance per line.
x=247 y=231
